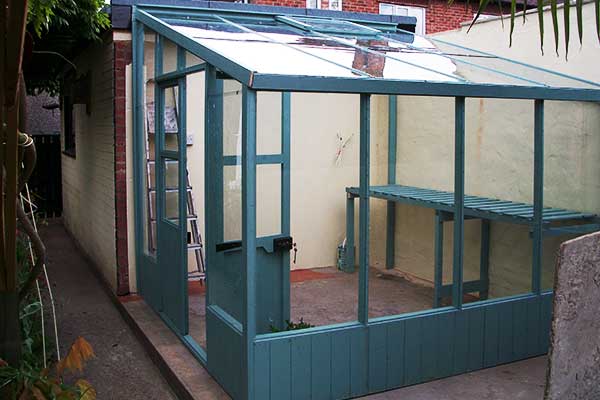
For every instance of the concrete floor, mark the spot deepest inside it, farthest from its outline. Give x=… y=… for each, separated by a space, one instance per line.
x=327 y=296
x=121 y=369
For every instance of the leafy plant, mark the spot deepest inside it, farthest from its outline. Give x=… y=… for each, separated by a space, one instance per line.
x=28 y=382
x=85 y=17
x=292 y=326
x=57 y=29
x=540 y=10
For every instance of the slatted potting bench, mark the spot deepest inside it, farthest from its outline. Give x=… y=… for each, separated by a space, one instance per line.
x=555 y=221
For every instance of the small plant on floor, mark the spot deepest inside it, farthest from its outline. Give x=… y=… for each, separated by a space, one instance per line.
x=29 y=382
x=292 y=326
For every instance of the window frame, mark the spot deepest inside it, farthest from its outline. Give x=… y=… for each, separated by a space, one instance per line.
x=396 y=7
x=317 y=5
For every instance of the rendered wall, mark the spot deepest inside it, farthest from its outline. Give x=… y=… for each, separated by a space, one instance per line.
x=499 y=159
x=88 y=179
x=575 y=346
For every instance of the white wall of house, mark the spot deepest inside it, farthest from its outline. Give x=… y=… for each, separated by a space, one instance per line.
x=88 y=179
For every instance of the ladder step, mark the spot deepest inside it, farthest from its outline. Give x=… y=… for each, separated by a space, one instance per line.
x=196 y=276
x=194 y=246
x=152 y=162
x=189 y=218
x=169 y=190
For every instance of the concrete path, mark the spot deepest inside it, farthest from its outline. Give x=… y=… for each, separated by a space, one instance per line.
x=121 y=369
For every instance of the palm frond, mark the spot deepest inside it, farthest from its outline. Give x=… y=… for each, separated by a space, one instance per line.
x=567 y=22
x=513 y=10
x=554 y=11
x=482 y=5
x=541 y=8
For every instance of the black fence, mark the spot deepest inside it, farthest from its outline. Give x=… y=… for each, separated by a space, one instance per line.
x=45 y=184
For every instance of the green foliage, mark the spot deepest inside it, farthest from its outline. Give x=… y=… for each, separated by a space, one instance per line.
x=58 y=28
x=292 y=326
x=84 y=18
x=554 y=12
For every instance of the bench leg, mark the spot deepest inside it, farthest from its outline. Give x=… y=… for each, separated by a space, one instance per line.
x=350 y=251
x=484 y=264
x=390 y=236
x=439 y=260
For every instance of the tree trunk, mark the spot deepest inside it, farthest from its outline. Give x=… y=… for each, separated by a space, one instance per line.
x=10 y=331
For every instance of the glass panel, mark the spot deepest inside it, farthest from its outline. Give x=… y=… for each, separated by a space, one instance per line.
x=171 y=118
x=272 y=47
x=333 y=26
x=268 y=123
x=402 y=245
x=191 y=59
x=260 y=54
x=169 y=56
x=232 y=118
x=462 y=56
x=232 y=203
x=195 y=227
x=268 y=199
x=325 y=162
x=171 y=182
x=571 y=160
x=149 y=195
x=498 y=167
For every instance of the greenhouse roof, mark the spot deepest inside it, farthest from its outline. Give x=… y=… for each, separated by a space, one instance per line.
x=287 y=52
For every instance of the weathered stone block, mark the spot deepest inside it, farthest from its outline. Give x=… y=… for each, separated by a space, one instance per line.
x=574 y=358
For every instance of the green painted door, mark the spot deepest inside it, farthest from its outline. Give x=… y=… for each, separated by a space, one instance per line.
x=223 y=219
x=171 y=202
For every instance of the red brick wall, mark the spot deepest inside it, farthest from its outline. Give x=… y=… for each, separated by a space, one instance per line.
x=122 y=57
x=439 y=16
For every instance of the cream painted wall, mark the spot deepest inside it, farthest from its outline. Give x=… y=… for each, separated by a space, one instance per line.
x=88 y=180
x=499 y=158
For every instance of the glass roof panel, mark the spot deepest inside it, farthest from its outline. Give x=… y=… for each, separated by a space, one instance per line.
x=478 y=66
x=322 y=47
x=285 y=50
x=327 y=25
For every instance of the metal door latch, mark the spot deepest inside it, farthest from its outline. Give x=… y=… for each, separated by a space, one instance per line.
x=283 y=243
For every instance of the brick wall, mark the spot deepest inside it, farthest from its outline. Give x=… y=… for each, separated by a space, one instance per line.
x=439 y=16
x=122 y=57
x=89 y=178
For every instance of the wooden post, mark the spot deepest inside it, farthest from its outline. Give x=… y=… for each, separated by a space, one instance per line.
x=249 y=235
x=363 y=233
x=459 y=198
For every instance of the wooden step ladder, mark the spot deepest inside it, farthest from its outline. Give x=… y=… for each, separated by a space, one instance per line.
x=195 y=243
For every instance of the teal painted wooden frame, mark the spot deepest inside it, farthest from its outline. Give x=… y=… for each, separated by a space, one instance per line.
x=357 y=358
